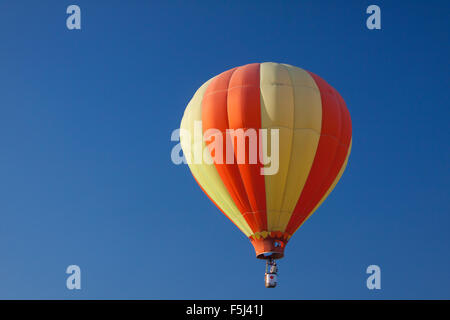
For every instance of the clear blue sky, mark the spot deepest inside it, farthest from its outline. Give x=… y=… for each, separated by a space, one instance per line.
x=85 y=170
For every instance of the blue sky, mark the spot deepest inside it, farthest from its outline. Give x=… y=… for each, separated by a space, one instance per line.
x=87 y=179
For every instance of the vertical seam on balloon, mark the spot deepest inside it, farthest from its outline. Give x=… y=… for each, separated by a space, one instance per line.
x=297 y=219
x=318 y=190
x=261 y=115
x=225 y=188
x=292 y=145
x=264 y=224
x=232 y=191
x=292 y=214
x=245 y=228
x=259 y=224
x=332 y=186
x=258 y=219
x=238 y=195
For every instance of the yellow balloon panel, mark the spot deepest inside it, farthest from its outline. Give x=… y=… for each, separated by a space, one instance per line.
x=291 y=103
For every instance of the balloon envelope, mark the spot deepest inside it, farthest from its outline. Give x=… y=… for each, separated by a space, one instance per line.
x=314 y=143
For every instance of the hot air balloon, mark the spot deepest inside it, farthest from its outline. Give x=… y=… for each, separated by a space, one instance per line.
x=314 y=142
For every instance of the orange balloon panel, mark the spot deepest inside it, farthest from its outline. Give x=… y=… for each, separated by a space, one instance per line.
x=298 y=162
